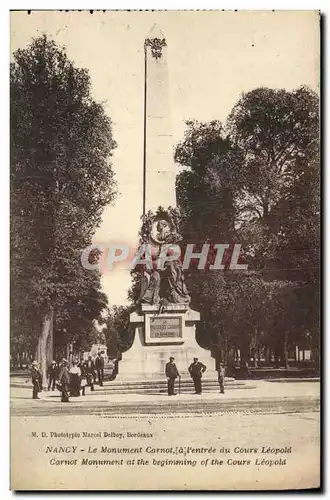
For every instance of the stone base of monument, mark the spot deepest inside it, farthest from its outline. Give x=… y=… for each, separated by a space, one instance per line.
x=159 y=387
x=159 y=334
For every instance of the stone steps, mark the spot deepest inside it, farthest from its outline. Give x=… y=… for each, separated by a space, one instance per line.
x=160 y=387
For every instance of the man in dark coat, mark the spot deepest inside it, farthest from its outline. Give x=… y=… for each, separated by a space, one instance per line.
x=90 y=372
x=52 y=373
x=36 y=380
x=196 y=369
x=83 y=381
x=99 y=366
x=221 y=378
x=171 y=373
x=64 y=379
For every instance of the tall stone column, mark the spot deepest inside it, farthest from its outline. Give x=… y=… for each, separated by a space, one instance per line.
x=159 y=167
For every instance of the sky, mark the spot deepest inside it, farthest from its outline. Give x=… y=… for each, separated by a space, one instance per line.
x=213 y=57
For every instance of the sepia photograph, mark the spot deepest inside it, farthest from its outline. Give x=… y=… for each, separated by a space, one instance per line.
x=165 y=250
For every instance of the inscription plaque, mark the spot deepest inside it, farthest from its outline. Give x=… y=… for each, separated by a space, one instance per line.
x=165 y=328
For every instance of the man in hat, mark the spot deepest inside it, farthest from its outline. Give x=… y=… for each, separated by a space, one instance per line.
x=36 y=380
x=64 y=380
x=171 y=373
x=89 y=369
x=52 y=375
x=196 y=369
x=99 y=366
x=221 y=378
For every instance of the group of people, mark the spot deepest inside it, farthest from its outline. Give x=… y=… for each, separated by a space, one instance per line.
x=70 y=380
x=196 y=370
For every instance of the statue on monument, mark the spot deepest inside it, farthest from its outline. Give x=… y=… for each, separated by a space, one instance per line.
x=166 y=286
x=150 y=294
x=162 y=232
x=176 y=291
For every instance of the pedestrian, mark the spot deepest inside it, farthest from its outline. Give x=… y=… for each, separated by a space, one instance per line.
x=196 y=369
x=171 y=373
x=64 y=380
x=221 y=378
x=99 y=366
x=36 y=380
x=90 y=372
x=75 y=377
x=83 y=381
x=52 y=373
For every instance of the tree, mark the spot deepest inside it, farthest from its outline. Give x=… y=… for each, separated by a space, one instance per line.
x=61 y=179
x=119 y=336
x=206 y=192
x=211 y=175
x=277 y=134
x=255 y=182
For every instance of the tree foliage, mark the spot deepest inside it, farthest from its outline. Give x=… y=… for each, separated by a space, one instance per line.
x=61 y=180
x=277 y=134
x=118 y=332
x=255 y=181
x=211 y=174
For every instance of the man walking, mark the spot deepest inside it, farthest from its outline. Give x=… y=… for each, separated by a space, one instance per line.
x=196 y=369
x=90 y=372
x=99 y=366
x=52 y=375
x=221 y=378
x=36 y=380
x=64 y=379
x=83 y=381
x=171 y=373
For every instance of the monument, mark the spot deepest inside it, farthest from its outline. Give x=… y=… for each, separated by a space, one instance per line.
x=164 y=324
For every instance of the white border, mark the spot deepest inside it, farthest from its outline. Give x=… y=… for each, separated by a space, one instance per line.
x=323 y=5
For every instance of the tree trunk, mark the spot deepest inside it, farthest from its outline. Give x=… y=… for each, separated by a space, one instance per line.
x=226 y=352
x=277 y=355
x=20 y=359
x=245 y=352
x=255 y=348
x=285 y=351
x=45 y=346
x=255 y=358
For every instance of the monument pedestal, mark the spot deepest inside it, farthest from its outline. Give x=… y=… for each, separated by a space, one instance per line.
x=159 y=335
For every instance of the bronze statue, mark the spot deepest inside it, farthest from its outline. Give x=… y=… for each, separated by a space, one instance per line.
x=176 y=291
x=166 y=286
x=151 y=285
x=162 y=232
